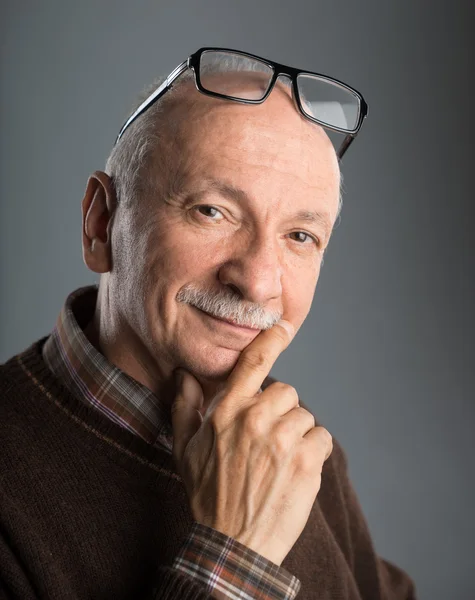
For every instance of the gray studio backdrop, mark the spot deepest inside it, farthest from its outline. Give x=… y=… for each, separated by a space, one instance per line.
x=386 y=357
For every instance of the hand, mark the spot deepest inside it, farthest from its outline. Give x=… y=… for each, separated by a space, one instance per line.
x=252 y=465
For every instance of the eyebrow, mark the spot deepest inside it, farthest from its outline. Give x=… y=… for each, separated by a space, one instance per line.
x=315 y=218
x=238 y=195
x=230 y=191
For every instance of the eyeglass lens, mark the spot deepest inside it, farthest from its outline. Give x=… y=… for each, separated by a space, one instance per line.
x=252 y=83
x=321 y=99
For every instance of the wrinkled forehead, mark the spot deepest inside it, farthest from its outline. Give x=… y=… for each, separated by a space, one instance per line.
x=273 y=135
x=251 y=144
x=279 y=109
x=253 y=85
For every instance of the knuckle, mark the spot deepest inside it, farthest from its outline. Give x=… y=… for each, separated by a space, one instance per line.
x=284 y=389
x=218 y=419
x=282 y=442
x=254 y=421
x=255 y=359
x=281 y=335
x=310 y=418
x=326 y=437
x=305 y=461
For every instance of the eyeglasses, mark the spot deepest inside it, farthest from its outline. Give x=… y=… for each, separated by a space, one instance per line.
x=320 y=99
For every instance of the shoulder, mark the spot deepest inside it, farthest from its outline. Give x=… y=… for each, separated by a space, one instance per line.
x=21 y=388
x=12 y=380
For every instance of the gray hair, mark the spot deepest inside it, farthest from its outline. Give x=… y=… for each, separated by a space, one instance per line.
x=129 y=158
x=226 y=304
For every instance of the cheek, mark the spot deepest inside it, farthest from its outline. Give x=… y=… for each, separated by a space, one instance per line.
x=175 y=256
x=127 y=257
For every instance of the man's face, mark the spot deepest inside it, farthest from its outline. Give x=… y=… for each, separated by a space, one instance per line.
x=236 y=222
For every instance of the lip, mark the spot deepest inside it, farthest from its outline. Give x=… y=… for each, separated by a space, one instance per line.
x=229 y=323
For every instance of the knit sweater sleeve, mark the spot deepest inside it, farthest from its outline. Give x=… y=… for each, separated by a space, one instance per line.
x=15 y=583
x=173 y=585
x=171 y=582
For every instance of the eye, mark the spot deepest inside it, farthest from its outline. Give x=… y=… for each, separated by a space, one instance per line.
x=304 y=238
x=209 y=211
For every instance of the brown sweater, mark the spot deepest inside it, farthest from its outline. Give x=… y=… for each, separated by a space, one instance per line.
x=88 y=510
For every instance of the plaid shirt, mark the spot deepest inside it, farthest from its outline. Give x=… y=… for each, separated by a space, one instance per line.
x=227 y=568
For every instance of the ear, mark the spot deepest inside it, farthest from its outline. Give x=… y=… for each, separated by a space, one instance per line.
x=98 y=207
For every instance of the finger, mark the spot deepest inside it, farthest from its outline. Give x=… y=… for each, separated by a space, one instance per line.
x=322 y=439
x=297 y=421
x=278 y=398
x=257 y=359
x=186 y=418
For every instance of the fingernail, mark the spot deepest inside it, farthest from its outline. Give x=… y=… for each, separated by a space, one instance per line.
x=288 y=327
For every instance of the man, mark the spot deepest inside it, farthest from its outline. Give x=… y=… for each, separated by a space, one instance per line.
x=146 y=452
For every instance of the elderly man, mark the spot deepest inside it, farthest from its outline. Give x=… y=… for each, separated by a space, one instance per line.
x=145 y=451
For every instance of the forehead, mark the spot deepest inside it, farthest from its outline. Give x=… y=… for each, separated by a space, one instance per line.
x=269 y=142
x=278 y=107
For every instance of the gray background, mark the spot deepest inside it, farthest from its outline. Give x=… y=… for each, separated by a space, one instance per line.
x=386 y=357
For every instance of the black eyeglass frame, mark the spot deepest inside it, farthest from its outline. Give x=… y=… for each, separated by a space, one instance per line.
x=193 y=62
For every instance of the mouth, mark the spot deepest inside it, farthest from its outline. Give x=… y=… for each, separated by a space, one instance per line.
x=230 y=323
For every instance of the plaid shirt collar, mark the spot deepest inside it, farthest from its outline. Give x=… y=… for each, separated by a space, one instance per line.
x=89 y=376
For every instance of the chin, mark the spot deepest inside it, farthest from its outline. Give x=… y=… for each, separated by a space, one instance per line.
x=206 y=348
x=214 y=364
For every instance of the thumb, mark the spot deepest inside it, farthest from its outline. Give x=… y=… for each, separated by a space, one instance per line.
x=186 y=419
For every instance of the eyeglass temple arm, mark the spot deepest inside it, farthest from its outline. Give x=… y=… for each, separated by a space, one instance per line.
x=154 y=96
x=345 y=145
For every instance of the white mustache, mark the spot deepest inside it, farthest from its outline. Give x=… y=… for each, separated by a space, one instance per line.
x=227 y=305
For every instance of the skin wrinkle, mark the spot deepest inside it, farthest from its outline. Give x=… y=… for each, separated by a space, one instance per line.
x=319 y=220
x=159 y=245
x=238 y=195
x=189 y=103
x=260 y=165
x=270 y=165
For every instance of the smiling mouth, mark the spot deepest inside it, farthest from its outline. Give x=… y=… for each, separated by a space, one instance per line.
x=229 y=322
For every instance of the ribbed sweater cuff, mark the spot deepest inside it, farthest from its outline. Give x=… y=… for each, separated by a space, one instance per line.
x=173 y=585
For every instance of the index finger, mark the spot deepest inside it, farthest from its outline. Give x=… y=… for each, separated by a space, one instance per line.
x=258 y=358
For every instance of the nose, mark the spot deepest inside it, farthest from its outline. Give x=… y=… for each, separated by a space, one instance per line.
x=256 y=272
